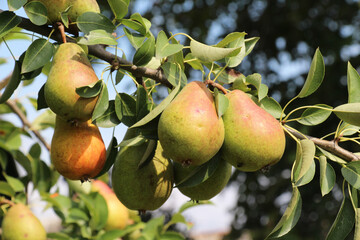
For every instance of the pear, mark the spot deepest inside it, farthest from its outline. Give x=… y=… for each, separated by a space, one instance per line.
x=20 y=223
x=189 y=129
x=77 y=149
x=118 y=214
x=207 y=189
x=70 y=69
x=78 y=7
x=144 y=188
x=54 y=8
x=254 y=139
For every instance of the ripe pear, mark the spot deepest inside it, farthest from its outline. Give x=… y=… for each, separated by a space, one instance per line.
x=118 y=214
x=78 y=7
x=207 y=189
x=54 y=8
x=20 y=223
x=77 y=149
x=254 y=139
x=145 y=188
x=189 y=129
x=70 y=69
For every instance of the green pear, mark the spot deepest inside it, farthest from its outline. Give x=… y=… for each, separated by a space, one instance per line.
x=54 y=8
x=20 y=223
x=254 y=139
x=78 y=7
x=189 y=129
x=144 y=188
x=207 y=189
x=70 y=69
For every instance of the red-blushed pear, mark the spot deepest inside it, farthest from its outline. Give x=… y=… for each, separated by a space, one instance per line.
x=207 y=189
x=189 y=129
x=70 y=69
x=20 y=223
x=254 y=139
x=77 y=149
x=142 y=188
x=118 y=214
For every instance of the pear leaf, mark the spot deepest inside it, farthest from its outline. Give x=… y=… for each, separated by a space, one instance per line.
x=270 y=105
x=135 y=39
x=144 y=54
x=349 y=112
x=149 y=153
x=351 y=173
x=308 y=176
x=191 y=204
x=89 y=21
x=164 y=48
x=208 y=53
x=231 y=37
x=108 y=119
x=119 y=8
x=41 y=102
x=15 y=4
x=353 y=83
x=125 y=106
x=6 y=189
x=327 y=176
x=308 y=153
x=158 y=109
x=132 y=142
x=173 y=73
x=315 y=76
x=8 y=21
x=37 y=55
x=111 y=153
x=344 y=221
x=91 y=90
x=99 y=36
x=221 y=103
x=37 y=13
x=64 y=17
x=331 y=156
x=102 y=103
x=250 y=44
x=12 y=84
x=315 y=116
x=290 y=217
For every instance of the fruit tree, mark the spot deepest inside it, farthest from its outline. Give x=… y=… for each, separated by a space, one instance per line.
x=185 y=133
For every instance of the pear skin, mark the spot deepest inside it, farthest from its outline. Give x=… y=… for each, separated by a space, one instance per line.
x=207 y=189
x=70 y=69
x=20 y=223
x=145 y=188
x=118 y=214
x=254 y=139
x=78 y=7
x=77 y=149
x=189 y=129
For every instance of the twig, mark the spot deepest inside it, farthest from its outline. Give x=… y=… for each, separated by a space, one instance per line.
x=330 y=146
x=12 y=105
x=216 y=85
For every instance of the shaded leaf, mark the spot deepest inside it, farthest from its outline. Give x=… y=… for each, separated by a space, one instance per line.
x=41 y=102
x=146 y=51
x=307 y=152
x=111 y=153
x=119 y=8
x=315 y=76
x=91 y=90
x=351 y=173
x=221 y=103
x=43 y=121
x=102 y=104
x=37 y=12
x=37 y=55
x=135 y=39
x=353 y=83
x=6 y=189
x=90 y=21
x=149 y=153
x=327 y=176
x=191 y=204
x=15 y=4
x=315 y=116
x=14 y=183
x=12 y=84
x=108 y=119
x=349 y=113
x=270 y=105
x=331 y=156
x=132 y=142
x=174 y=73
x=8 y=21
x=308 y=176
x=125 y=107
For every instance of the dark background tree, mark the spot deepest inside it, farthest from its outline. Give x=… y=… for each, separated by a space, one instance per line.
x=290 y=32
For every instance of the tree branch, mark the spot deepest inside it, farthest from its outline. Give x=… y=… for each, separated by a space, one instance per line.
x=330 y=146
x=100 y=52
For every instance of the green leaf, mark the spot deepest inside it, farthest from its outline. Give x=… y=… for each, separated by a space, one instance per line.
x=64 y=16
x=221 y=103
x=125 y=107
x=353 y=83
x=8 y=21
x=201 y=173
x=37 y=12
x=145 y=23
x=6 y=189
x=97 y=207
x=149 y=153
x=99 y=36
x=191 y=204
x=315 y=76
x=111 y=153
x=58 y=236
x=351 y=173
x=119 y=76
x=308 y=177
x=327 y=176
x=315 y=116
x=349 y=112
x=132 y=142
x=135 y=39
x=344 y=221
x=231 y=37
x=90 y=21
x=23 y=161
x=174 y=73
x=43 y=121
x=290 y=217
x=102 y=104
x=108 y=119
x=91 y=90
x=237 y=59
x=158 y=109
x=357 y=224
x=164 y=48
x=119 y=8
x=331 y=156
x=208 y=53
x=153 y=228
x=144 y=54
x=346 y=129
x=15 y=4
x=171 y=235
x=250 y=44
x=41 y=102
x=141 y=102
x=270 y=105
x=12 y=84
x=14 y=183
x=37 y=55
x=306 y=150
x=193 y=62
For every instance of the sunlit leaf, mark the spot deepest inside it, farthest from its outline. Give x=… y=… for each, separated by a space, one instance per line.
x=221 y=103
x=90 y=21
x=135 y=39
x=349 y=112
x=99 y=36
x=208 y=53
x=37 y=55
x=164 y=48
x=6 y=189
x=315 y=116
x=119 y=8
x=353 y=84
x=270 y=105
x=15 y=4
x=91 y=90
x=102 y=104
x=327 y=176
x=8 y=21
x=351 y=173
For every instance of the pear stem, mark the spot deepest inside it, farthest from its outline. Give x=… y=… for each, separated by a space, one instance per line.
x=216 y=85
x=62 y=31
x=6 y=201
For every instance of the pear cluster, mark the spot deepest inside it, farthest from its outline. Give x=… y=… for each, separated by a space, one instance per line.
x=191 y=133
x=77 y=148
